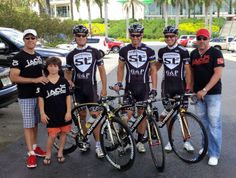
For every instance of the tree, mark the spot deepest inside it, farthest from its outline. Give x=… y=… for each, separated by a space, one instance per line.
x=133 y=4
x=218 y=5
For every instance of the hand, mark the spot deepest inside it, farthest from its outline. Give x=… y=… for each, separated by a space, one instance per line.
x=153 y=93
x=44 y=118
x=42 y=80
x=103 y=92
x=201 y=94
x=117 y=86
x=188 y=91
x=68 y=116
x=71 y=83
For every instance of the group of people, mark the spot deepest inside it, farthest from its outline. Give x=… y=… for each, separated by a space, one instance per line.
x=45 y=95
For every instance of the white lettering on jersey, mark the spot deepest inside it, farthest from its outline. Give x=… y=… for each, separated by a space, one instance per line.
x=171 y=60
x=170 y=73
x=15 y=63
x=83 y=61
x=137 y=58
x=57 y=91
x=137 y=72
x=34 y=62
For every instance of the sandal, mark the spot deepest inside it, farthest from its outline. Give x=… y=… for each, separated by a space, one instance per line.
x=61 y=159
x=47 y=161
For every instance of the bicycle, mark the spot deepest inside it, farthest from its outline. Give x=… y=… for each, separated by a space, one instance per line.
x=184 y=126
x=154 y=137
x=117 y=142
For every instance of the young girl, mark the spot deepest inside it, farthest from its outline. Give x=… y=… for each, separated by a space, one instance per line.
x=55 y=107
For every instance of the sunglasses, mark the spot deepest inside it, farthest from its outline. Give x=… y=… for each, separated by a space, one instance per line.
x=79 y=35
x=170 y=36
x=135 y=35
x=30 y=38
x=201 y=38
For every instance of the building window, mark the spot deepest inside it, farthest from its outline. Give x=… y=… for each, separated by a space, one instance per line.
x=63 y=11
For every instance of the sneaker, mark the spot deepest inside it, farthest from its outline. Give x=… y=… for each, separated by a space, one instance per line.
x=39 y=152
x=213 y=161
x=140 y=147
x=188 y=146
x=168 y=147
x=99 y=152
x=32 y=161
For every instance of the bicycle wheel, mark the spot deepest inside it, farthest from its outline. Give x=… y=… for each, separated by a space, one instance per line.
x=193 y=132
x=71 y=139
x=156 y=144
x=117 y=144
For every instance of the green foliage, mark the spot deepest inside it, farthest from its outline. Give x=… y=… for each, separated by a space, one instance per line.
x=22 y=18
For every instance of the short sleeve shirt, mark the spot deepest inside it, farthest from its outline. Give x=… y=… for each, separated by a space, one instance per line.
x=30 y=66
x=203 y=69
x=137 y=61
x=54 y=96
x=84 y=62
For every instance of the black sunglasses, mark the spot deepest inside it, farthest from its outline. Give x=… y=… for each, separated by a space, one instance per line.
x=28 y=38
x=199 y=38
x=135 y=35
x=79 y=35
x=170 y=36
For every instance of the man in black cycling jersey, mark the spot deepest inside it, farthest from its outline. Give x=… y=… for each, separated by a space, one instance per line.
x=84 y=61
x=139 y=60
x=176 y=74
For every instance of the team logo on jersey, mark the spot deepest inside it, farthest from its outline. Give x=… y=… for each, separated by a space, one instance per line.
x=171 y=60
x=57 y=91
x=15 y=63
x=83 y=61
x=137 y=58
x=34 y=62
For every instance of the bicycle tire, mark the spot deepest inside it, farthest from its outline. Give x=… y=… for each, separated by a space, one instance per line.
x=121 y=154
x=71 y=139
x=197 y=137
x=155 y=143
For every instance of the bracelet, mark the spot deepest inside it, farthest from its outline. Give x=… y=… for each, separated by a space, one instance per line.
x=204 y=90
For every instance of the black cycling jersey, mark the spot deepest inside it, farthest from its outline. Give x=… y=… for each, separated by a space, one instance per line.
x=30 y=66
x=84 y=62
x=173 y=58
x=54 y=96
x=203 y=69
x=137 y=62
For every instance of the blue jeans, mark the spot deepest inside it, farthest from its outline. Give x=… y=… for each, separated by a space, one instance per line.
x=209 y=111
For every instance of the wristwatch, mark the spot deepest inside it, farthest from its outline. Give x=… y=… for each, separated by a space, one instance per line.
x=204 y=90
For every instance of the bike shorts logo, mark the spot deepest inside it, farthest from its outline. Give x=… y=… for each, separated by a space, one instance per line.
x=171 y=60
x=137 y=58
x=57 y=91
x=83 y=61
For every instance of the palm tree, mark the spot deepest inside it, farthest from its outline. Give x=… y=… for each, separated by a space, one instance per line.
x=133 y=4
x=176 y=4
x=164 y=9
x=106 y=17
x=99 y=3
x=218 y=5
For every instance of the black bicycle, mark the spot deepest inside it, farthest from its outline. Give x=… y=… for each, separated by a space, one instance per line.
x=117 y=142
x=185 y=126
x=153 y=137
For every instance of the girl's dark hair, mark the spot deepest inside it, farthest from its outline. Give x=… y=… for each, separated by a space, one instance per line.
x=52 y=60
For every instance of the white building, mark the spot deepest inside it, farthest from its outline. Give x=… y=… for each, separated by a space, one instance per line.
x=62 y=9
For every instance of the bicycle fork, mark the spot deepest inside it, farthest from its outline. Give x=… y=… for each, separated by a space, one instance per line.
x=184 y=126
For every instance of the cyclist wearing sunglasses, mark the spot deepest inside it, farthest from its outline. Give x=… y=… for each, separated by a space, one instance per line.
x=176 y=73
x=84 y=61
x=138 y=60
x=207 y=64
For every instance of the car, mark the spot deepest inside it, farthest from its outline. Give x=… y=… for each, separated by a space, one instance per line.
x=192 y=43
x=11 y=42
x=221 y=43
x=8 y=90
x=232 y=45
x=183 y=39
x=98 y=42
x=114 y=45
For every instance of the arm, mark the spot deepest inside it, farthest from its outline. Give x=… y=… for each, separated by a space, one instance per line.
x=44 y=117
x=15 y=77
x=68 y=108
x=188 y=77
x=120 y=71
x=103 y=77
x=68 y=76
x=158 y=65
x=214 y=79
x=154 y=75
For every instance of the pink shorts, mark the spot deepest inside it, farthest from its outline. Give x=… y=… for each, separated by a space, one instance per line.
x=54 y=131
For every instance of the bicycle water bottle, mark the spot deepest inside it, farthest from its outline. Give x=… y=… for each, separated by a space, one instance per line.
x=131 y=121
x=90 y=121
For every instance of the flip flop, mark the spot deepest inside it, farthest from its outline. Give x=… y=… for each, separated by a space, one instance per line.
x=61 y=159
x=47 y=161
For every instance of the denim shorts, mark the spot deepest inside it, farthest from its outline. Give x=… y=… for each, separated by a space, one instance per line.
x=30 y=112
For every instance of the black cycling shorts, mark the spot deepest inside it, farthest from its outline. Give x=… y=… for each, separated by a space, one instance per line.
x=140 y=91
